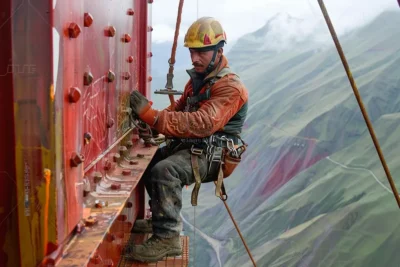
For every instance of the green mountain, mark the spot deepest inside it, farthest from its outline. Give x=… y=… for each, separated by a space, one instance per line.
x=311 y=190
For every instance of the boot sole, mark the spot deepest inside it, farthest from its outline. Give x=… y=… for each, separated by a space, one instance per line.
x=171 y=253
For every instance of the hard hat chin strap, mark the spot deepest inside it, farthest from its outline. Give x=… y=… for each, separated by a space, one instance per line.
x=215 y=48
x=210 y=66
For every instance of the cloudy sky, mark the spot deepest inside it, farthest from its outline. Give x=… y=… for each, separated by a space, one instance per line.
x=243 y=16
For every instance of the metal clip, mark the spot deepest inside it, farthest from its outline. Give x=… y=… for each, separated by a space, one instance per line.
x=196 y=151
x=231 y=146
x=215 y=157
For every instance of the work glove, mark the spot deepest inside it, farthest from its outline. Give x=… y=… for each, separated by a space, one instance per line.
x=148 y=135
x=141 y=107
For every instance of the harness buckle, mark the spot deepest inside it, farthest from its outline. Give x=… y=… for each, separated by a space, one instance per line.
x=215 y=158
x=196 y=151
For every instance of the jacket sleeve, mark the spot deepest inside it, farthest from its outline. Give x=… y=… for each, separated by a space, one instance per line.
x=227 y=96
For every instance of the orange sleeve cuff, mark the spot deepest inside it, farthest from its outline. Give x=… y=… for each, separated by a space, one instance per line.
x=149 y=115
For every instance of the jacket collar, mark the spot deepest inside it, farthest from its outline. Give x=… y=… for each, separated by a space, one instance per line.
x=215 y=73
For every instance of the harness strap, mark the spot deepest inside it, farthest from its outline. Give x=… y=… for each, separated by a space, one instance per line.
x=200 y=97
x=194 y=100
x=196 y=173
x=220 y=187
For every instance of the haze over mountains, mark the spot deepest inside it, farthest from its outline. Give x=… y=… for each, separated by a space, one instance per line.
x=311 y=190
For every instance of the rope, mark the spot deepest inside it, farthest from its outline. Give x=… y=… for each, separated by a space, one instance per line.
x=194 y=235
x=238 y=230
x=173 y=52
x=359 y=100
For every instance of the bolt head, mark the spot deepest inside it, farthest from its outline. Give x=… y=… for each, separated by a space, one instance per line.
x=107 y=165
x=74 y=94
x=110 y=237
x=126 y=75
x=110 y=31
x=77 y=159
x=130 y=59
x=127 y=38
x=116 y=157
x=87 y=78
x=87 y=137
x=88 y=20
x=115 y=186
x=97 y=176
x=126 y=172
x=130 y=12
x=110 y=123
x=110 y=76
x=74 y=30
x=150 y=78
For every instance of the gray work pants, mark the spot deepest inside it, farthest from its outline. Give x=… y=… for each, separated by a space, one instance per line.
x=166 y=175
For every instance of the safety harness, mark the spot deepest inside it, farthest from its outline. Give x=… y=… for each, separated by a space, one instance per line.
x=222 y=157
x=220 y=149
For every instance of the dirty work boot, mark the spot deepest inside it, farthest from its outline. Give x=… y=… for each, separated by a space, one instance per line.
x=155 y=249
x=143 y=226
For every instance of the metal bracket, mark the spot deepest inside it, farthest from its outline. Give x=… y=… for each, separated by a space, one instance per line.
x=168 y=92
x=169 y=84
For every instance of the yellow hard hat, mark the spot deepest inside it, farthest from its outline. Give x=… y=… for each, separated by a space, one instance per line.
x=204 y=32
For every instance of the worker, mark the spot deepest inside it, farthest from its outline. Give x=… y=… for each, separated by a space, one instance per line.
x=214 y=103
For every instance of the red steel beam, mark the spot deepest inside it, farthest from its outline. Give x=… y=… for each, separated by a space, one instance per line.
x=9 y=254
x=142 y=22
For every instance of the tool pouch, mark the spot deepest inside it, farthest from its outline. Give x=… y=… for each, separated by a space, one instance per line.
x=230 y=162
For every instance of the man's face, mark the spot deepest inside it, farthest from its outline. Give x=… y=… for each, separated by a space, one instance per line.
x=200 y=60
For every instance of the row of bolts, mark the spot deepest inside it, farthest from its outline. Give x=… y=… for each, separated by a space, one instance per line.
x=75 y=94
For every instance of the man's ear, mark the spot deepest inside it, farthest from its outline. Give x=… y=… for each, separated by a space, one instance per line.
x=219 y=53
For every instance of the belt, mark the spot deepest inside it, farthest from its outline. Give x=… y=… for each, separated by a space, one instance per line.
x=222 y=143
x=207 y=140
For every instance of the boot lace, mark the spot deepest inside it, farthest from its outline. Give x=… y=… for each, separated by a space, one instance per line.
x=152 y=240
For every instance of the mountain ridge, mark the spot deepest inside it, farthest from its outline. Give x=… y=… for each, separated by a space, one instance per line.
x=302 y=109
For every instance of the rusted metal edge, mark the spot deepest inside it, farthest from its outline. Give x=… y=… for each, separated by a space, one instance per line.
x=102 y=243
x=88 y=167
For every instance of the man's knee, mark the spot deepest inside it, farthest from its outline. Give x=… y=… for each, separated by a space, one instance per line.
x=169 y=173
x=160 y=169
